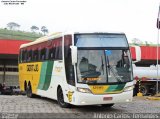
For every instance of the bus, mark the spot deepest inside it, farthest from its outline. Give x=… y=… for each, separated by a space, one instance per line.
x=78 y=68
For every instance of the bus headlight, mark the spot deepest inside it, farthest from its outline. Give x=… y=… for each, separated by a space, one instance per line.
x=83 y=90
x=128 y=88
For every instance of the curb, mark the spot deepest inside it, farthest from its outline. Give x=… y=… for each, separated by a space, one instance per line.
x=153 y=98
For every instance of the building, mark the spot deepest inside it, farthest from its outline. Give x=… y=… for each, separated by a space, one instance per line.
x=9 y=50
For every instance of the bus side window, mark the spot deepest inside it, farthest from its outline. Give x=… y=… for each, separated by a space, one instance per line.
x=20 y=56
x=47 y=54
x=56 y=50
x=43 y=54
x=24 y=56
x=35 y=55
x=29 y=55
x=52 y=53
x=60 y=50
x=70 y=76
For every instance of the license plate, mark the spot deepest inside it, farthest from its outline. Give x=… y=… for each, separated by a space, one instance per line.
x=107 y=98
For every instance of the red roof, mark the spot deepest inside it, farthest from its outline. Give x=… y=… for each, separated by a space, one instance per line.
x=11 y=46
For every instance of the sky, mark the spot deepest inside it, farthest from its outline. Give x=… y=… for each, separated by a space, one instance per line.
x=136 y=18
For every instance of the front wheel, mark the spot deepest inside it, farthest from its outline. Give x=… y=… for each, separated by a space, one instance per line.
x=60 y=98
x=107 y=105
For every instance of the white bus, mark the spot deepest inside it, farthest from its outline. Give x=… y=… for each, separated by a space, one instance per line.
x=78 y=68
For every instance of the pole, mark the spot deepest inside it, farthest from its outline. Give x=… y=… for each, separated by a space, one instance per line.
x=157 y=60
x=157 y=48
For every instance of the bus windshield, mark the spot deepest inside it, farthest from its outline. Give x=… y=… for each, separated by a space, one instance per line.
x=101 y=40
x=103 y=66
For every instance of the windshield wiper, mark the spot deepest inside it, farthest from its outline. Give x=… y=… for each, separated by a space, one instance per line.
x=108 y=66
x=102 y=65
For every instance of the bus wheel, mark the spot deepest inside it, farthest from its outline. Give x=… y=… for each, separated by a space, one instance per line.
x=60 y=98
x=29 y=91
x=25 y=87
x=107 y=105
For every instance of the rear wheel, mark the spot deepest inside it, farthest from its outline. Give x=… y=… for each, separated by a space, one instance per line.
x=107 y=105
x=25 y=88
x=29 y=91
x=60 y=98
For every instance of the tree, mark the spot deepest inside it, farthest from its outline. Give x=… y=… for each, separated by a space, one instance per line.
x=146 y=43
x=34 y=28
x=136 y=41
x=44 y=30
x=12 y=25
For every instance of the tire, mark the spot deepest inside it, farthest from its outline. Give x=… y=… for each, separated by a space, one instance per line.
x=29 y=92
x=107 y=105
x=144 y=90
x=60 y=98
x=25 y=86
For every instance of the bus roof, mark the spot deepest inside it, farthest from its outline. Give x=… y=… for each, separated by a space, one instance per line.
x=60 y=34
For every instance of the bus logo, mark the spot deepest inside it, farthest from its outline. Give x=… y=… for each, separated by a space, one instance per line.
x=58 y=69
x=32 y=67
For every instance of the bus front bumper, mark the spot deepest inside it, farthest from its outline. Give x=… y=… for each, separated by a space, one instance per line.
x=92 y=99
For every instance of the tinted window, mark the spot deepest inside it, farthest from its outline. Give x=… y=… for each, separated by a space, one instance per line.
x=43 y=54
x=55 y=51
x=50 y=50
x=29 y=55
x=68 y=62
x=59 y=50
x=35 y=55
x=101 y=40
x=24 y=55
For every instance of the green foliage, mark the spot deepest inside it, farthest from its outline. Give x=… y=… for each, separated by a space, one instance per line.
x=12 y=25
x=34 y=28
x=18 y=35
x=44 y=29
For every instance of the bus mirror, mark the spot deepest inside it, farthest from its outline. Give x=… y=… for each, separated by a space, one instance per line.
x=74 y=54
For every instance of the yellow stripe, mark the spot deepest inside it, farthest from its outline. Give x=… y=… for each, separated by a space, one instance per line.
x=98 y=89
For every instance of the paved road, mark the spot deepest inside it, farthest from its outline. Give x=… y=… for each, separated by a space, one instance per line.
x=24 y=105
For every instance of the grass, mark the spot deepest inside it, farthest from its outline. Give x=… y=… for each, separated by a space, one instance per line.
x=18 y=35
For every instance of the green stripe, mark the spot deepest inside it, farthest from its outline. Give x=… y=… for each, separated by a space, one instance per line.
x=113 y=88
x=45 y=76
x=42 y=75
x=48 y=75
